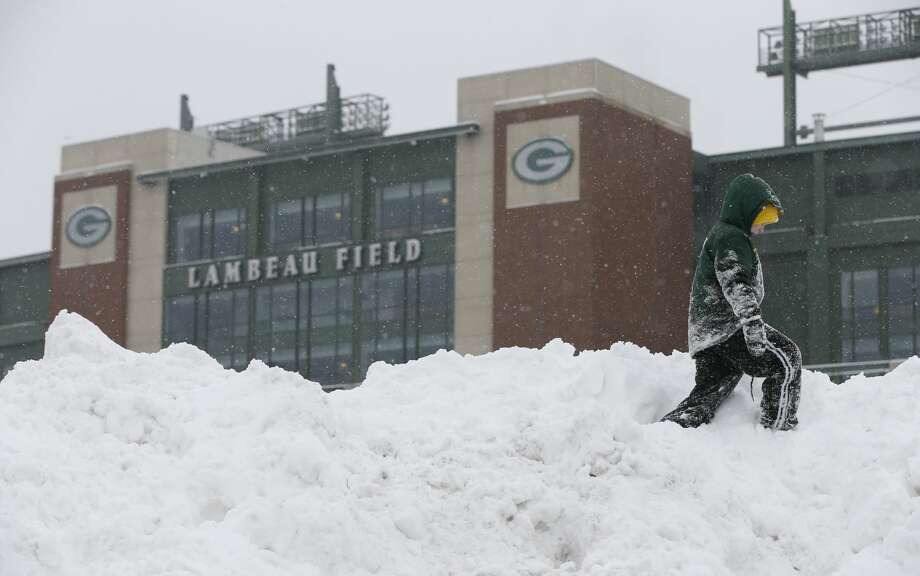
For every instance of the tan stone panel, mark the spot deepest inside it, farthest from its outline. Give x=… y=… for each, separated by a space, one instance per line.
x=145 y=269
x=473 y=280
x=489 y=87
x=77 y=156
x=527 y=82
x=520 y=193
x=475 y=345
x=476 y=154
x=473 y=319
x=673 y=110
x=72 y=255
x=159 y=149
x=190 y=149
x=571 y=76
x=477 y=200
x=480 y=111
x=633 y=93
x=474 y=241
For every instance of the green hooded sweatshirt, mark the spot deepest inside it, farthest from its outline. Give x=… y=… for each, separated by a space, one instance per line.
x=728 y=282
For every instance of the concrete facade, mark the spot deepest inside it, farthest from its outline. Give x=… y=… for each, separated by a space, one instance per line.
x=161 y=149
x=479 y=99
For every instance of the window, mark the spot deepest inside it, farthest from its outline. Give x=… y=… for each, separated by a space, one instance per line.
x=179 y=321
x=331 y=321
x=396 y=210
x=437 y=205
x=406 y=314
x=323 y=219
x=880 y=313
x=860 y=315
x=228 y=327
x=275 y=335
x=435 y=309
x=902 y=312
x=210 y=234
x=187 y=238
x=229 y=231
x=333 y=219
x=285 y=225
x=410 y=208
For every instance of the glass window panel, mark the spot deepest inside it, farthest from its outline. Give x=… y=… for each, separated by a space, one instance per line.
x=180 y=320
x=412 y=313
x=240 y=328
x=322 y=362
x=346 y=300
x=284 y=326
x=901 y=314
x=391 y=329
x=309 y=224
x=220 y=327
x=332 y=218
x=207 y=226
x=394 y=210
x=437 y=205
x=322 y=303
x=187 y=239
x=286 y=224
x=229 y=232
x=434 y=302
x=303 y=323
x=865 y=315
x=846 y=292
x=228 y=327
x=263 y=329
x=846 y=316
x=344 y=371
x=345 y=220
x=368 y=296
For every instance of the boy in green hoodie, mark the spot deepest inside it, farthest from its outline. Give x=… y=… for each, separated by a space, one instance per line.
x=727 y=335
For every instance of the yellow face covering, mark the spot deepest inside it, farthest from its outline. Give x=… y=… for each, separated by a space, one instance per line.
x=768 y=215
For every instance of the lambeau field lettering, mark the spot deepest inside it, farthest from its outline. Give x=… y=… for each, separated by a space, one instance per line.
x=307 y=263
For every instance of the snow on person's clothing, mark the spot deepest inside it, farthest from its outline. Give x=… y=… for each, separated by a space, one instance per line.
x=719 y=369
x=728 y=282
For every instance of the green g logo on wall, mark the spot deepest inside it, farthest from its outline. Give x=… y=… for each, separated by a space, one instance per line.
x=88 y=226
x=542 y=161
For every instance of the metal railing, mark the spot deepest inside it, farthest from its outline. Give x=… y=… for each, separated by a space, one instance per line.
x=824 y=43
x=361 y=115
x=840 y=371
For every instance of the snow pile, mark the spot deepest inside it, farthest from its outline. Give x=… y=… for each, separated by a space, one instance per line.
x=517 y=462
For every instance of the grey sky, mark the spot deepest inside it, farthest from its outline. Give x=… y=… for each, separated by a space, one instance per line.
x=82 y=70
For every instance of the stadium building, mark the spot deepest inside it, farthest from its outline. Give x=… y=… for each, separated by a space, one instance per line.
x=565 y=202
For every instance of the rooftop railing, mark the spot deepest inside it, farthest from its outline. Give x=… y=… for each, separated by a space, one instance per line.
x=824 y=44
x=356 y=116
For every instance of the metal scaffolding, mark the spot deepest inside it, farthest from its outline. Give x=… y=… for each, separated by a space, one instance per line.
x=839 y=42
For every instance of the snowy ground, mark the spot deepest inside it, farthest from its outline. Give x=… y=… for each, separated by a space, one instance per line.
x=517 y=462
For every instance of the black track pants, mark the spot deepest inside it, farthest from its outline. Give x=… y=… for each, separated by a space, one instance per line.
x=720 y=367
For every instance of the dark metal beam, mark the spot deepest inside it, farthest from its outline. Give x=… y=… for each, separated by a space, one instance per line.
x=805 y=131
x=789 y=104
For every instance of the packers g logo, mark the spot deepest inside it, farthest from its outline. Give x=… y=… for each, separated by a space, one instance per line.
x=542 y=161
x=88 y=226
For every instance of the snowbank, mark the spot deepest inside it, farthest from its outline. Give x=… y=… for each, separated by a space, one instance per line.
x=517 y=462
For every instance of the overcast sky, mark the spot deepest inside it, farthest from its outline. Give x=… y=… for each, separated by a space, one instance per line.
x=79 y=70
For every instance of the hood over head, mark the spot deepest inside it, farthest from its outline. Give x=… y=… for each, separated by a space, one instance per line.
x=745 y=196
